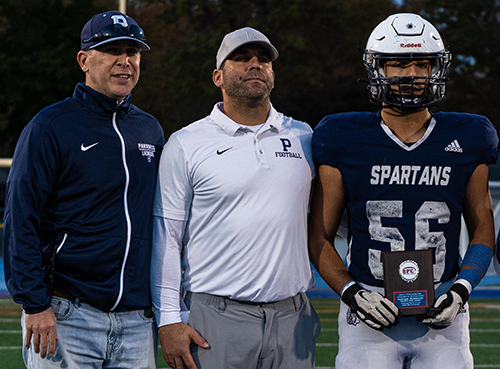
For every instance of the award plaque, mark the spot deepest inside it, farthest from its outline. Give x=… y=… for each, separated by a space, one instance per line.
x=409 y=280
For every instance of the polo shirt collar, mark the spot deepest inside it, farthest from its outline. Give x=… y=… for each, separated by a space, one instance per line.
x=274 y=120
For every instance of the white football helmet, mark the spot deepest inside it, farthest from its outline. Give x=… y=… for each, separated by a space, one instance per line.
x=405 y=36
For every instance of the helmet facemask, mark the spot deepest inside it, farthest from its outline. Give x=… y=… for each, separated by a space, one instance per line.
x=406 y=93
x=405 y=37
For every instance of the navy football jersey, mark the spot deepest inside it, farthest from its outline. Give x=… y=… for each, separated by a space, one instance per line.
x=399 y=196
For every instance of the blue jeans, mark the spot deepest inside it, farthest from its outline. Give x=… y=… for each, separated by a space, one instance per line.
x=91 y=338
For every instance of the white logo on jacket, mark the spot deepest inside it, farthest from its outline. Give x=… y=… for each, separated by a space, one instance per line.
x=147 y=150
x=85 y=148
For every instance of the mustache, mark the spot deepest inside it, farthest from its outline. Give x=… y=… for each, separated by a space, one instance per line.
x=254 y=74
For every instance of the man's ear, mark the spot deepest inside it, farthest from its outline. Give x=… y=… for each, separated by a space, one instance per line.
x=82 y=57
x=217 y=77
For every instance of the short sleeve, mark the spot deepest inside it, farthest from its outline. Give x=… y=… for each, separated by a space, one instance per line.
x=174 y=191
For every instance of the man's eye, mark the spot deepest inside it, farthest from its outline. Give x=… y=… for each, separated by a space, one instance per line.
x=132 y=52
x=264 y=59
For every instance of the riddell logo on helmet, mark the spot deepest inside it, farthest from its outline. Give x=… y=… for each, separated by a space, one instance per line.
x=410 y=45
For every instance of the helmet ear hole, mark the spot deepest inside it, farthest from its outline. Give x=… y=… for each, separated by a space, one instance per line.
x=409 y=37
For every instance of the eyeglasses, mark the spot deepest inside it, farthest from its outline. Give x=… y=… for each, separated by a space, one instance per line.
x=116 y=30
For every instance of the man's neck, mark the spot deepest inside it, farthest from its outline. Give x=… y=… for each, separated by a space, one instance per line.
x=249 y=114
x=407 y=127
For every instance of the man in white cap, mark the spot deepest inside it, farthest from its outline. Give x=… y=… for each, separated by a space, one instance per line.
x=230 y=218
x=78 y=219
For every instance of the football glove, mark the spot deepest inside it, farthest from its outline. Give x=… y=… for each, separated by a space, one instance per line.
x=371 y=307
x=446 y=307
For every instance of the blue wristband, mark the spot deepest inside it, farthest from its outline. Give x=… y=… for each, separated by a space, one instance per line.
x=477 y=257
x=346 y=286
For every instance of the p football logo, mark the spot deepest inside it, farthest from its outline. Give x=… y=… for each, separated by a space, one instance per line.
x=287 y=144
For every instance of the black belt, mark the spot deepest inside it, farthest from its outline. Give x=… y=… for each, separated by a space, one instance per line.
x=63 y=293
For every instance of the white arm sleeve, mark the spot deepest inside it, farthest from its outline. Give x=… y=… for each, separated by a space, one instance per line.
x=166 y=269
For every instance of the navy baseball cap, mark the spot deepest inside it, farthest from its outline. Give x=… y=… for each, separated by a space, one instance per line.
x=111 y=26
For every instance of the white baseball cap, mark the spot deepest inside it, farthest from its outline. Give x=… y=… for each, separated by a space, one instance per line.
x=242 y=37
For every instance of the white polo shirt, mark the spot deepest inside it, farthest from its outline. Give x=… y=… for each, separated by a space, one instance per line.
x=244 y=197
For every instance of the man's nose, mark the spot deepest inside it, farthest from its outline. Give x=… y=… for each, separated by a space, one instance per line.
x=254 y=62
x=412 y=70
x=123 y=59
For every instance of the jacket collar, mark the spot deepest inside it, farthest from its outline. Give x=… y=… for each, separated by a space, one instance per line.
x=98 y=102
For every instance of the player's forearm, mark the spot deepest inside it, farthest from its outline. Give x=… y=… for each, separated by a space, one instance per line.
x=478 y=209
x=328 y=264
x=480 y=223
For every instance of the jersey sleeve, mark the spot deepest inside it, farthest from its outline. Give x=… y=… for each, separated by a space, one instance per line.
x=324 y=142
x=488 y=143
x=174 y=190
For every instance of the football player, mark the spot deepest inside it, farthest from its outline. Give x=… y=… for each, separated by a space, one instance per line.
x=405 y=176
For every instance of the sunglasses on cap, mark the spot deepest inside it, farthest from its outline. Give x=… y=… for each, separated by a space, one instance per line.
x=116 y=30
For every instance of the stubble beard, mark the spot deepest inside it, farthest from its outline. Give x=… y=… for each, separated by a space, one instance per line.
x=250 y=96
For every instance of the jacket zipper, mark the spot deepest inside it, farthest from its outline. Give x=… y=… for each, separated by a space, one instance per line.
x=62 y=243
x=125 y=205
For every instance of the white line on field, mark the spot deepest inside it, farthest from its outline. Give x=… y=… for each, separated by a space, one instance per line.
x=490 y=345
x=475 y=330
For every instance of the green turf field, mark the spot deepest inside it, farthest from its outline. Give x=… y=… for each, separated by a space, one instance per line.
x=485 y=334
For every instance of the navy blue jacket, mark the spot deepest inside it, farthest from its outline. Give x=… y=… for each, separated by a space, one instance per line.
x=82 y=183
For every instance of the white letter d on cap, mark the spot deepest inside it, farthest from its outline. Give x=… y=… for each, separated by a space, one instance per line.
x=119 y=19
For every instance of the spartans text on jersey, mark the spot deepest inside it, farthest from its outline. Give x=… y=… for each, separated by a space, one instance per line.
x=410 y=175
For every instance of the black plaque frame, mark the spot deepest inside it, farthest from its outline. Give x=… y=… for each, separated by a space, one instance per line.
x=409 y=280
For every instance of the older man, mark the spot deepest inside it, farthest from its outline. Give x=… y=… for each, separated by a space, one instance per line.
x=78 y=213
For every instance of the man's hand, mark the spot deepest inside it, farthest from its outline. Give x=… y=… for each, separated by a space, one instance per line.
x=175 y=340
x=371 y=307
x=446 y=307
x=44 y=330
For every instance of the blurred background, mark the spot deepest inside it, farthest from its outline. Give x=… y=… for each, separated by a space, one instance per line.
x=316 y=73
